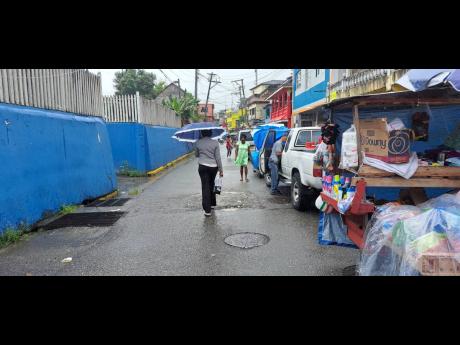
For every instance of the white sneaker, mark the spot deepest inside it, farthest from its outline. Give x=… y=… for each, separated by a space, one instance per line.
x=208 y=214
x=213 y=207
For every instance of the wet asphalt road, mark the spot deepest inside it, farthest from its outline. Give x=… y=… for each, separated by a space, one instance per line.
x=165 y=233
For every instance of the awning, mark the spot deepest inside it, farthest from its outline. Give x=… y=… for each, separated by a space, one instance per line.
x=422 y=79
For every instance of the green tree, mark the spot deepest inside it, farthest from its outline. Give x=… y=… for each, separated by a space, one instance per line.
x=129 y=81
x=185 y=107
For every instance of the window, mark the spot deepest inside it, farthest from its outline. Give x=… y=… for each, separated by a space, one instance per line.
x=299 y=79
x=315 y=135
x=270 y=140
x=302 y=138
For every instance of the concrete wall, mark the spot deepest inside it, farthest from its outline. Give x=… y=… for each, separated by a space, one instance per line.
x=50 y=158
x=144 y=147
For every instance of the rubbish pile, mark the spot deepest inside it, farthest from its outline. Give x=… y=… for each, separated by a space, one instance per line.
x=403 y=240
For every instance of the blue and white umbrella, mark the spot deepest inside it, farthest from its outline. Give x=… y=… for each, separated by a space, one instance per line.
x=192 y=132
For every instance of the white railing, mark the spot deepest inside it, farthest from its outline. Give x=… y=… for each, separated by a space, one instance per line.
x=70 y=90
x=135 y=108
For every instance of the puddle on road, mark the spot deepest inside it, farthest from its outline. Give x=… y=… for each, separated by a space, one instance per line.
x=228 y=200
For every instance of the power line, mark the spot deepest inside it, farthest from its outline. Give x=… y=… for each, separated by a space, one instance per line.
x=165 y=75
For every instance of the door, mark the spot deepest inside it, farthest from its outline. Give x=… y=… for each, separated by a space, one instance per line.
x=286 y=164
x=266 y=151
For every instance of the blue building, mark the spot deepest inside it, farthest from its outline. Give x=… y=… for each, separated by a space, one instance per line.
x=309 y=94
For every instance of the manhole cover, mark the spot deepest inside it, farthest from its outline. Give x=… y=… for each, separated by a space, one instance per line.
x=85 y=219
x=349 y=271
x=247 y=240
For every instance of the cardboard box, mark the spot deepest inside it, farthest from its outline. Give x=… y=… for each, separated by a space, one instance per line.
x=440 y=264
x=377 y=142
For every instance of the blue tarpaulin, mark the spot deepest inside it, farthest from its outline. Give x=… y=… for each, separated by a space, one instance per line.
x=261 y=131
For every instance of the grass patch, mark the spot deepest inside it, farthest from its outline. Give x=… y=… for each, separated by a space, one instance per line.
x=11 y=235
x=126 y=170
x=133 y=192
x=66 y=209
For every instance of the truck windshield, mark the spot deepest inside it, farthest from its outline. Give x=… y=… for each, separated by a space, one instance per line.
x=248 y=136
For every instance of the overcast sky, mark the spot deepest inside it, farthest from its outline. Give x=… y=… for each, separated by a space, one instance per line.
x=220 y=95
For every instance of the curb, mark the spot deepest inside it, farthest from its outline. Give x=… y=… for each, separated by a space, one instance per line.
x=170 y=164
x=108 y=196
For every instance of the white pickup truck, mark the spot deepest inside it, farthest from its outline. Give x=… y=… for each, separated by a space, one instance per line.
x=297 y=166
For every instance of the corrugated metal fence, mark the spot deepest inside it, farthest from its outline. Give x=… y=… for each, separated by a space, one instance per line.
x=70 y=90
x=135 y=108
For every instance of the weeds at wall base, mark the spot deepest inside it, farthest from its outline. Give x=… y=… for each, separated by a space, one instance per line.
x=11 y=235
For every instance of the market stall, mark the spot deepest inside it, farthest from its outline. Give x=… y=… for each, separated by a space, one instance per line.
x=407 y=150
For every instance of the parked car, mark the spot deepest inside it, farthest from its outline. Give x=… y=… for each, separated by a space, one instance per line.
x=296 y=166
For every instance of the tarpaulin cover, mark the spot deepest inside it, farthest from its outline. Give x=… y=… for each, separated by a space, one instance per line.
x=421 y=79
x=409 y=240
x=260 y=132
x=255 y=159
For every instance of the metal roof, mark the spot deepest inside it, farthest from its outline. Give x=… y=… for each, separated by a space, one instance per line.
x=270 y=82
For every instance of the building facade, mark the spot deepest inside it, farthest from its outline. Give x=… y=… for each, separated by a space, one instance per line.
x=256 y=103
x=209 y=115
x=171 y=91
x=309 y=93
x=355 y=82
x=281 y=104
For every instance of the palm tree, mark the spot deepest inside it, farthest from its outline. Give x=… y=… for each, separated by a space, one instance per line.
x=185 y=107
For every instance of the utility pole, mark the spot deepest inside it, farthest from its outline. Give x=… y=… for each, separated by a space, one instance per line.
x=196 y=84
x=242 y=99
x=209 y=90
x=256 y=76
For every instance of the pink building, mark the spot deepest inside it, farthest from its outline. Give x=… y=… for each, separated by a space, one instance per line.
x=209 y=115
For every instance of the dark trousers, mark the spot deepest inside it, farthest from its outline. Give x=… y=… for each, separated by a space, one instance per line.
x=207 y=175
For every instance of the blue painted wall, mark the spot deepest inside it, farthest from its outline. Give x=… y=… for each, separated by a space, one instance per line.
x=311 y=95
x=49 y=159
x=144 y=147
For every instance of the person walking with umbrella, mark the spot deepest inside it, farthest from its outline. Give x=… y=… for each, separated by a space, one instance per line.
x=242 y=156
x=208 y=152
x=209 y=163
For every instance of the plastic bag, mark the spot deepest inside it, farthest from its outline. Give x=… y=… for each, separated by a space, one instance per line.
x=410 y=240
x=349 y=150
x=332 y=230
x=218 y=185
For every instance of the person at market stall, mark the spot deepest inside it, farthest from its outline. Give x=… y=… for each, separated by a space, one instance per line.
x=273 y=163
x=242 y=156
x=208 y=153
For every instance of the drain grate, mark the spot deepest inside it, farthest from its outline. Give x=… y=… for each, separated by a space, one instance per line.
x=85 y=219
x=349 y=271
x=247 y=240
x=108 y=203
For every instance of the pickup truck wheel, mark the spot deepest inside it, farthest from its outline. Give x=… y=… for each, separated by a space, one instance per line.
x=299 y=193
x=268 y=180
